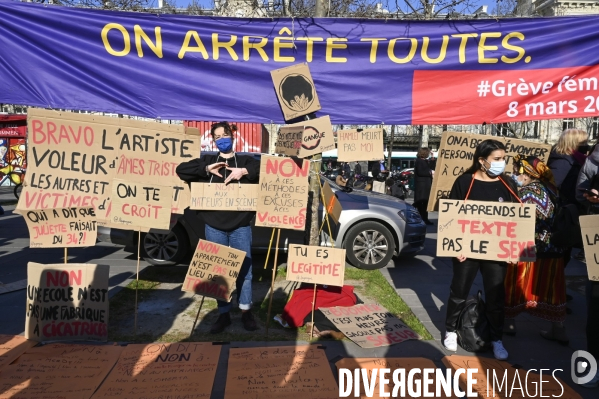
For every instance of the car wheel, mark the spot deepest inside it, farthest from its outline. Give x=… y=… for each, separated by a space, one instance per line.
x=165 y=249
x=369 y=245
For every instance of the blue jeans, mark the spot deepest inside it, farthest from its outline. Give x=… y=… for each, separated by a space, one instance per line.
x=240 y=238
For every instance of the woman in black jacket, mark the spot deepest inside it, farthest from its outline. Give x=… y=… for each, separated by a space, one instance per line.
x=231 y=228
x=423 y=181
x=483 y=181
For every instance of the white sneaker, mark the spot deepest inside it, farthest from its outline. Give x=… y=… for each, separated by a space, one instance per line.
x=594 y=383
x=499 y=351
x=451 y=341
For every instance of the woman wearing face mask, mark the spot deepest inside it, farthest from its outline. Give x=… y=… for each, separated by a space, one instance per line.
x=231 y=228
x=538 y=288
x=483 y=181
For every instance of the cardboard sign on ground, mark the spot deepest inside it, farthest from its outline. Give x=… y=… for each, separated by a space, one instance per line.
x=503 y=231
x=74 y=158
x=67 y=302
x=369 y=325
x=213 y=270
x=363 y=145
x=280 y=372
x=589 y=226
x=379 y=187
x=283 y=193
x=295 y=91
x=58 y=228
x=141 y=205
x=331 y=202
x=317 y=137
x=163 y=370
x=316 y=265
x=518 y=383
x=226 y=197
x=11 y=347
x=456 y=153
x=58 y=371
x=398 y=363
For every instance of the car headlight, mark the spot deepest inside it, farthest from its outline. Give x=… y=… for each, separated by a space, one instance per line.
x=410 y=215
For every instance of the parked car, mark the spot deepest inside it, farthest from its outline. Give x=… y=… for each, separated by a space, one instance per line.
x=372 y=228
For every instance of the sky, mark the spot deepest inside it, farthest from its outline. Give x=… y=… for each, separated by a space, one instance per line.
x=209 y=3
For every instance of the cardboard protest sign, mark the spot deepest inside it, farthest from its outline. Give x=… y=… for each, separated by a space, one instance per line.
x=518 y=383
x=503 y=231
x=280 y=372
x=331 y=203
x=283 y=193
x=213 y=270
x=58 y=371
x=316 y=265
x=141 y=205
x=360 y=145
x=11 y=347
x=163 y=370
x=226 y=197
x=398 y=363
x=67 y=302
x=369 y=325
x=66 y=227
x=316 y=137
x=456 y=153
x=589 y=226
x=74 y=158
x=379 y=187
x=295 y=91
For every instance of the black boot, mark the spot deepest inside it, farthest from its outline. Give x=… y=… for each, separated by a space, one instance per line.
x=223 y=321
x=247 y=318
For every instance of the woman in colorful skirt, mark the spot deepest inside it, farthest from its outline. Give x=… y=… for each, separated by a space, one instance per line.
x=538 y=288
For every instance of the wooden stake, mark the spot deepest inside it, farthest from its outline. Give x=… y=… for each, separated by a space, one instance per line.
x=313 y=305
x=272 y=236
x=65 y=256
x=197 y=316
x=272 y=282
x=137 y=280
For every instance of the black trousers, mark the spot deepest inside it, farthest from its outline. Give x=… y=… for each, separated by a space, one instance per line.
x=421 y=206
x=464 y=274
x=592 y=291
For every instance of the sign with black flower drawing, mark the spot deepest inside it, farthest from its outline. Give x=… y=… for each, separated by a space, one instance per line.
x=295 y=90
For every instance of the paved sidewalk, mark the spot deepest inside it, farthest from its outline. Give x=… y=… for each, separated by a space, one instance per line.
x=423 y=283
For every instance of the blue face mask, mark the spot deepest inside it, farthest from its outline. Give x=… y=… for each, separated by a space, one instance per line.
x=496 y=168
x=518 y=182
x=224 y=144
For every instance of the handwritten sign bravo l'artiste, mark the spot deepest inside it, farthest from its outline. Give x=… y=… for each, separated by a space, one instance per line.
x=487 y=230
x=589 y=226
x=283 y=193
x=456 y=153
x=360 y=145
x=226 y=197
x=306 y=138
x=73 y=159
x=369 y=325
x=295 y=91
x=141 y=205
x=316 y=265
x=213 y=270
x=67 y=302
x=280 y=372
x=66 y=227
x=162 y=370
x=331 y=202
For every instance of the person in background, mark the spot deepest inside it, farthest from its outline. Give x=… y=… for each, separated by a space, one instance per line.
x=539 y=287
x=565 y=161
x=483 y=181
x=341 y=180
x=395 y=189
x=347 y=174
x=358 y=169
x=423 y=181
x=231 y=228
